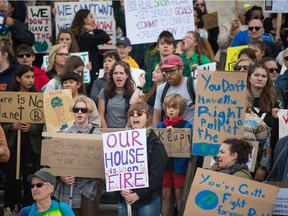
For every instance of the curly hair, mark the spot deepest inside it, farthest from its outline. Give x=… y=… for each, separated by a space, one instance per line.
x=78 y=23
x=110 y=88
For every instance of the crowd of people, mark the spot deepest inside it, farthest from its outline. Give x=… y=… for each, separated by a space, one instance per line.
x=164 y=98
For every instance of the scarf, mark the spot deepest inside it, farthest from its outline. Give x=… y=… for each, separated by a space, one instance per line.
x=234 y=168
x=168 y=122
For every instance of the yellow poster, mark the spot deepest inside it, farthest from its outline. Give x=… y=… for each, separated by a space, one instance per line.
x=232 y=56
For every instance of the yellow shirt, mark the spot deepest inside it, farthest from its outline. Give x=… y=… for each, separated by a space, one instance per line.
x=131 y=62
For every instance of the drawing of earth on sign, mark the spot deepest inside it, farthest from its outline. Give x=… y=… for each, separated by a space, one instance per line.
x=206 y=200
x=57 y=105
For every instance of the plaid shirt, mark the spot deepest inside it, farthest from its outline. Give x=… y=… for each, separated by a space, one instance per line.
x=83 y=186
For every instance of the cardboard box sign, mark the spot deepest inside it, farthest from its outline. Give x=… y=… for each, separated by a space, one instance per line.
x=69 y=154
x=21 y=106
x=215 y=193
x=210 y=20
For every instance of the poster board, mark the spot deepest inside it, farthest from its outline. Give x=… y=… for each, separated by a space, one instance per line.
x=232 y=56
x=78 y=155
x=219 y=110
x=275 y=6
x=177 y=141
x=21 y=106
x=102 y=12
x=210 y=20
x=283 y=122
x=125 y=160
x=215 y=193
x=281 y=204
x=39 y=23
x=209 y=67
x=145 y=20
x=57 y=110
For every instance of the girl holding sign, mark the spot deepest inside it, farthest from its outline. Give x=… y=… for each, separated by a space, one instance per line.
x=145 y=201
x=30 y=140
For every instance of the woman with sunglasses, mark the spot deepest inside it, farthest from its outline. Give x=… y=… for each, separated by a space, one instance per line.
x=145 y=201
x=243 y=65
x=86 y=191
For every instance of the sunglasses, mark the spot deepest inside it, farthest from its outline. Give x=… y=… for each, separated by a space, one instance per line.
x=139 y=113
x=239 y=68
x=24 y=55
x=272 y=70
x=39 y=185
x=286 y=58
x=258 y=17
x=63 y=54
x=257 y=28
x=77 y=109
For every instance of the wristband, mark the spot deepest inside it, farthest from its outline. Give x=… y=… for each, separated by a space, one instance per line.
x=139 y=88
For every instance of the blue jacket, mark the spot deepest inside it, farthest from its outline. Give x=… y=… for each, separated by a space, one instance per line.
x=242 y=38
x=282 y=81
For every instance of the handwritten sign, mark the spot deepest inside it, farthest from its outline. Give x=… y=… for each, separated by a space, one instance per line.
x=39 y=22
x=214 y=193
x=210 y=20
x=283 y=122
x=219 y=110
x=145 y=20
x=78 y=155
x=177 y=141
x=125 y=160
x=232 y=56
x=56 y=108
x=102 y=12
x=276 y=6
x=21 y=106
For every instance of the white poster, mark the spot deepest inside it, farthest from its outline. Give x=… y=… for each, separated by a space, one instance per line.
x=276 y=6
x=283 y=122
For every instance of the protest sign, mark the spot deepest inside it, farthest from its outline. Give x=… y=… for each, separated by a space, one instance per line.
x=219 y=110
x=102 y=12
x=275 y=6
x=125 y=160
x=210 y=20
x=145 y=20
x=56 y=108
x=21 y=106
x=283 y=122
x=209 y=67
x=281 y=204
x=39 y=23
x=78 y=155
x=177 y=141
x=232 y=56
x=215 y=193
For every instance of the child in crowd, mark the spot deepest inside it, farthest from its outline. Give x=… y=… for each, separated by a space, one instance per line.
x=109 y=58
x=86 y=191
x=124 y=47
x=30 y=147
x=174 y=176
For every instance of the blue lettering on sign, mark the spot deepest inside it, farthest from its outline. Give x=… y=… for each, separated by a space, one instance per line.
x=206 y=200
x=201 y=148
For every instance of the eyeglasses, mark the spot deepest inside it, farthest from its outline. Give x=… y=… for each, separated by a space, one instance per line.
x=39 y=185
x=77 y=109
x=285 y=58
x=258 y=17
x=139 y=113
x=239 y=68
x=199 y=4
x=257 y=28
x=27 y=55
x=63 y=54
x=272 y=70
x=170 y=72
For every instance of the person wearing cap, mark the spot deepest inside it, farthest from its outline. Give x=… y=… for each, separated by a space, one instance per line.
x=42 y=188
x=172 y=68
x=124 y=47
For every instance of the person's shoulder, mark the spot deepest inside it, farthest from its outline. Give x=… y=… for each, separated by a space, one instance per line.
x=243 y=174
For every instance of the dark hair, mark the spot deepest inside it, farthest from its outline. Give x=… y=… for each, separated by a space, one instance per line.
x=249 y=52
x=77 y=26
x=199 y=15
x=74 y=45
x=73 y=76
x=19 y=72
x=72 y=62
x=248 y=14
x=112 y=54
x=141 y=105
x=6 y=47
x=167 y=37
x=205 y=10
x=241 y=147
x=110 y=88
x=267 y=59
x=260 y=45
x=25 y=48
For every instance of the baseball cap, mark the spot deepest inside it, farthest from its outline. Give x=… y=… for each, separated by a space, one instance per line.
x=45 y=176
x=171 y=61
x=123 y=40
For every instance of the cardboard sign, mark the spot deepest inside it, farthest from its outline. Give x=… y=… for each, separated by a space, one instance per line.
x=214 y=193
x=145 y=20
x=209 y=161
x=276 y=6
x=177 y=141
x=78 y=155
x=56 y=107
x=39 y=23
x=281 y=204
x=219 y=110
x=283 y=122
x=210 y=20
x=21 y=106
x=125 y=160
x=208 y=67
x=232 y=56
x=102 y=12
